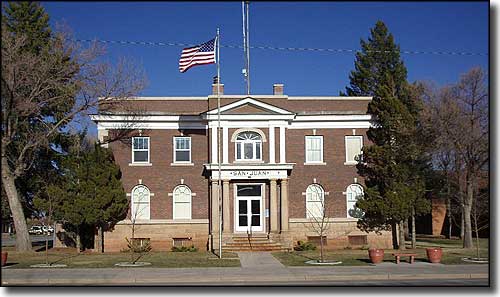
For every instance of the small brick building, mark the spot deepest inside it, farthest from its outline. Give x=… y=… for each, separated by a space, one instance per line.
x=284 y=161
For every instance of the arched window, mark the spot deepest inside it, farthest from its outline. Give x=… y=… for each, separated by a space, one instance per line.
x=182 y=202
x=248 y=146
x=140 y=203
x=353 y=193
x=315 y=197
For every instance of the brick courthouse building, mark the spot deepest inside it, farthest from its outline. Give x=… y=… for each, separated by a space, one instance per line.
x=282 y=157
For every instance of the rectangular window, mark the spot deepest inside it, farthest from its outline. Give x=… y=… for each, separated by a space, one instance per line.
x=182 y=149
x=353 y=145
x=314 y=149
x=140 y=149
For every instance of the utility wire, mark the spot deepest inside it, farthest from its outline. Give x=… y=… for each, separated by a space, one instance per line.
x=123 y=42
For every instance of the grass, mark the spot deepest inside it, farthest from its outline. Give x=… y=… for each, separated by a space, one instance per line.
x=452 y=253
x=108 y=260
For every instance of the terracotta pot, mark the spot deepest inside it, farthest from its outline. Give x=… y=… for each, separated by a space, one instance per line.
x=434 y=254
x=4 y=258
x=376 y=255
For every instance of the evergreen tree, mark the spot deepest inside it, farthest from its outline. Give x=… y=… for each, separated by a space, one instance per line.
x=91 y=194
x=393 y=165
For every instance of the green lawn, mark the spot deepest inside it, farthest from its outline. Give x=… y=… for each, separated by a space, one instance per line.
x=108 y=260
x=452 y=253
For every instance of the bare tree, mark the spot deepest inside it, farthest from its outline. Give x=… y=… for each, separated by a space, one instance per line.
x=459 y=118
x=65 y=74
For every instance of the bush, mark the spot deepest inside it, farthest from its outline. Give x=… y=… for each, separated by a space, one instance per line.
x=304 y=246
x=184 y=249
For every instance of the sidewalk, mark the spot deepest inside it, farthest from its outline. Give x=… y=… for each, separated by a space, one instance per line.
x=256 y=268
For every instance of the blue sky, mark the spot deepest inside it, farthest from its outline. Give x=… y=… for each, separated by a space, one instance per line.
x=425 y=26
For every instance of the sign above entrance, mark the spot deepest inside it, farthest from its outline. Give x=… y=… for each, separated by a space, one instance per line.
x=250 y=174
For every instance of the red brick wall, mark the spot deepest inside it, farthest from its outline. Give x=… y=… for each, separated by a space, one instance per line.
x=161 y=178
x=334 y=177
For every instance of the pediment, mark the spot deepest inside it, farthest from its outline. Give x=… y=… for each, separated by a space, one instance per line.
x=250 y=106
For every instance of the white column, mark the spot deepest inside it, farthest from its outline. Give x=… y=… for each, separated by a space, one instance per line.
x=282 y=145
x=271 y=145
x=214 y=145
x=225 y=145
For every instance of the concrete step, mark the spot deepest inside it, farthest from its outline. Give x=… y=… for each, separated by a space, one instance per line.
x=254 y=249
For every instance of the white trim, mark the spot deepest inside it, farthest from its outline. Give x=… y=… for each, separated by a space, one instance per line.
x=144 y=118
x=320 y=137
x=190 y=203
x=139 y=164
x=314 y=163
x=330 y=220
x=349 y=162
x=251 y=166
x=214 y=145
x=145 y=98
x=168 y=221
x=282 y=145
x=335 y=117
x=249 y=100
x=182 y=164
x=341 y=98
x=225 y=145
x=247 y=198
x=262 y=117
x=174 y=150
x=247 y=124
x=330 y=125
x=249 y=96
x=272 y=148
x=347 y=197
x=258 y=131
x=132 y=202
x=151 y=125
x=144 y=163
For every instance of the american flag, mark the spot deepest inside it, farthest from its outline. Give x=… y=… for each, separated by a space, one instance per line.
x=197 y=55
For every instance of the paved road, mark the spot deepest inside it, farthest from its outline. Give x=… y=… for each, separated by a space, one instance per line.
x=11 y=240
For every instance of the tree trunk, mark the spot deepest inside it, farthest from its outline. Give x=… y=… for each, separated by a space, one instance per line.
x=462 y=223
x=23 y=242
x=448 y=209
x=467 y=215
x=402 y=245
x=100 y=239
x=78 y=240
x=394 y=236
x=407 y=229
x=413 y=231
x=321 y=248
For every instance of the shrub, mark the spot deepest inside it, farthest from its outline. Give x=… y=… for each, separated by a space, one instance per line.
x=304 y=246
x=184 y=249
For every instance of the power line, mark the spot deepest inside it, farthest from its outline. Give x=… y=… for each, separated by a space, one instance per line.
x=331 y=50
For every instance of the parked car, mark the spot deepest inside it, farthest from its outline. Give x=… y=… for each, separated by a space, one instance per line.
x=37 y=230
x=48 y=229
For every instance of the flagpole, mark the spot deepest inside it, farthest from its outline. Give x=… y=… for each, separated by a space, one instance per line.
x=219 y=190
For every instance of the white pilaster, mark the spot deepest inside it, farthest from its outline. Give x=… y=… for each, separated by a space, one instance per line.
x=271 y=145
x=225 y=145
x=282 y=145
x=214 y=145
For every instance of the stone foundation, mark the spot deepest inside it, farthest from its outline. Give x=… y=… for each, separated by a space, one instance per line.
x=341 y=233
x=160 y=232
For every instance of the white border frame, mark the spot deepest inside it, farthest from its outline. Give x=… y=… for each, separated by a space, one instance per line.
x=149 y=151
x=347 y=162
x=322 y=149
x=174 y=150
x=190 y=203
x=236 y=206
x=132 y=202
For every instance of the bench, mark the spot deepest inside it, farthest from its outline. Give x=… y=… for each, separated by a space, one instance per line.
x=399 y=255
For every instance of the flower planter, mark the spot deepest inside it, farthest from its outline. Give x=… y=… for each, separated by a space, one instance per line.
x=4 y=258
x=376 y=255
x=434 y=254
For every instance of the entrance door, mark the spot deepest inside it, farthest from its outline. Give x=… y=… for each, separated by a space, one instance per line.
x=249 y=208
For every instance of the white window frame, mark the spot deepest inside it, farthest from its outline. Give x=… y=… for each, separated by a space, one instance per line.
x=347 y=161
x=141 y=150
x=175 y=149
x=174 y=213
x=350 y=191
x=309 y=212
x=254 y=148
x=320 y=137
x=133 y=216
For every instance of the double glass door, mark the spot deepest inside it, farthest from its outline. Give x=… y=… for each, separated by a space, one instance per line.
x=248 y=204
